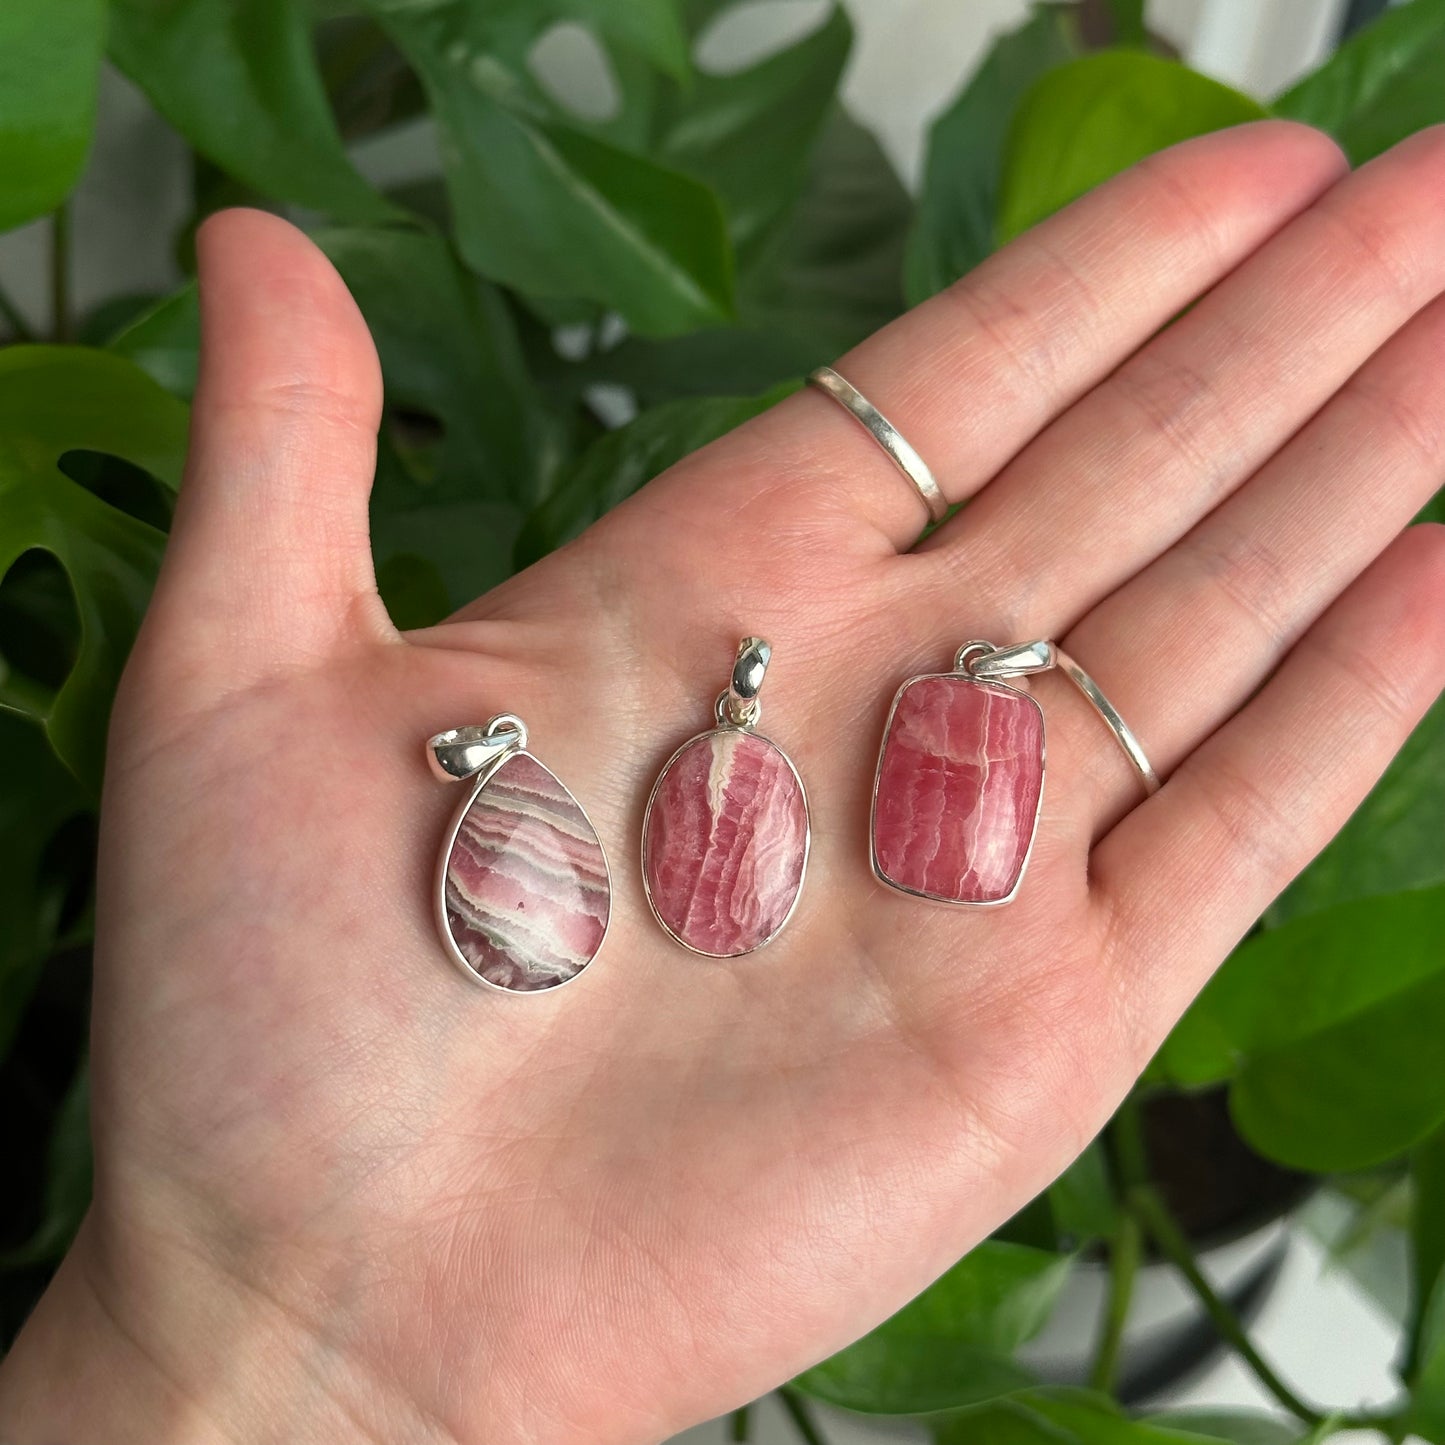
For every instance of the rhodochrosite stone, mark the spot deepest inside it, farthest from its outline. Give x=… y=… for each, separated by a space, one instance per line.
x=959 y=781
x=526 y=892
x=725 y=842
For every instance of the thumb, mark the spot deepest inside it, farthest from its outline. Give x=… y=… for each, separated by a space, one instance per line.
x=269 y=560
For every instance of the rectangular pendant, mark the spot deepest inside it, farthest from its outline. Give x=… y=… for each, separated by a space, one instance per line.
x=958 y=790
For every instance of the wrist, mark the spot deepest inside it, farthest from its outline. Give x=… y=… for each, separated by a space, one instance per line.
x=215 y=1368
x=73 y=1376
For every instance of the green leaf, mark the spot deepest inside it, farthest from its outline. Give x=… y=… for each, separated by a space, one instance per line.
x=448 y=348
x=1426 y=1415
x=1292 y=984
x=450 y=354
x=830 y=277
x=549 y=209
x=1241 y=1427
x=239 y=79
x=413 y=589
x=68 y=1177
x=951 y=1346
x=1082 y=1199
x=1094 y=117
x=1427 y=1235
x=1363 y=1234
x=716 y=128
x=1392 y=843
x=617 y=464
x=165 y=342
x=50 y=54
x=1032 y=1224
x=369 y=86
x=954 y=229
x=1382 y=84
x=54 y=400
x=1355 y=1094
x=652 y=28
x=37 y=795
x=1058 y=1417
x=1128 y=16
x=827 y=278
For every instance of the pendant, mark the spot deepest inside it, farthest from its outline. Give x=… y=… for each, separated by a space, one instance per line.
x=960 y=779
x=725 y=836
x=523 y=894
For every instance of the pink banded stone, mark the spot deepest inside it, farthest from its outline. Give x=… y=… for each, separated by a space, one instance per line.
x=959 y=781
x=725 y=842
x=526 y=894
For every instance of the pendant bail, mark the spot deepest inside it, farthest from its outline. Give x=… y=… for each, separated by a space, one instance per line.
x=988 y=663
x=740 y=704
x=462 y=753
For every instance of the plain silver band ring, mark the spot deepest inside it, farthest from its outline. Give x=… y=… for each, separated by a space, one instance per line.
x=886 y=435
x=1123 y=733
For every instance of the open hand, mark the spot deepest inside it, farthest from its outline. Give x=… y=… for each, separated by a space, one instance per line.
x=343 y=1194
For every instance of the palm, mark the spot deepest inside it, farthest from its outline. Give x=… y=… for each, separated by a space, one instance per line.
x=643 y=1200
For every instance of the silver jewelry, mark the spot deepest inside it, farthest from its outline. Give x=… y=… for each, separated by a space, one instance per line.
x=726 y=834
x=959 y=785
x=523 y=894
x=1123 y=733
x=886 y=435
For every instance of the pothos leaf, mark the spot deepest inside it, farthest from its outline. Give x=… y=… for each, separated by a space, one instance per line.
x=951 y=1346
x=1094 y=117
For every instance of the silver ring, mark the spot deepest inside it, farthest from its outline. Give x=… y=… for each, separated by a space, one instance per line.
x=1123 y=733
x=886 y=435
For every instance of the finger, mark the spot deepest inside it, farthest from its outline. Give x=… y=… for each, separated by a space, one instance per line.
x=1184 y=875
x=269 y=558
x=1188 y=641
x=972 y=374
x=1136 y=463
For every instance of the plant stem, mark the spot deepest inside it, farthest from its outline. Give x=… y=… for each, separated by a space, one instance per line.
x=11 y=314
x=801 y=1417
x=1125 y=1249
x=1152 y=1213
x=60 y=273
x=1387 y=1422
x=740 y=1427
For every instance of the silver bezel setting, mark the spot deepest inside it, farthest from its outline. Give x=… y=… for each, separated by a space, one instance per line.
x=963 y=679
x=439 y=883
x=647 y=828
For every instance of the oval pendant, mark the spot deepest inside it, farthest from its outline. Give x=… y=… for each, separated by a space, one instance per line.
x=523 y=892
x=725 y=842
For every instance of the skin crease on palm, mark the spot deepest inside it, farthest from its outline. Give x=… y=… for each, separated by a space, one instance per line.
x=343 y=1194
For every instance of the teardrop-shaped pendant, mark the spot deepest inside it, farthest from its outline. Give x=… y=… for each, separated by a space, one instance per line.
x=725 y=836
x=523 y=893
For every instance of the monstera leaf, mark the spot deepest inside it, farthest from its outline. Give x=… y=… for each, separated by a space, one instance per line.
x=239 y=79
x=546 y=207
x=55 y=400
